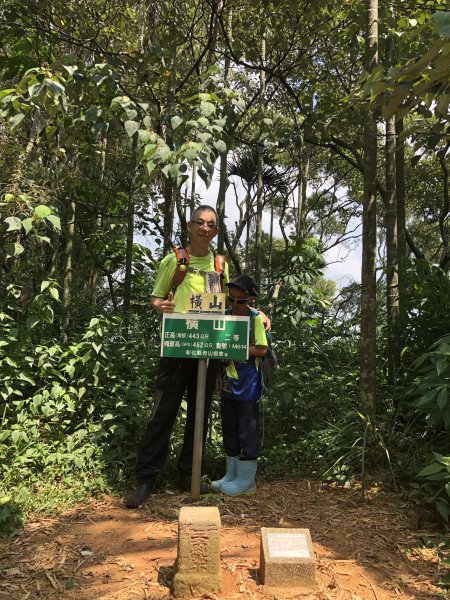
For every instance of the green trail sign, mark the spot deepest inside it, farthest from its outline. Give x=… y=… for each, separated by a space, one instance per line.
x=205 y=336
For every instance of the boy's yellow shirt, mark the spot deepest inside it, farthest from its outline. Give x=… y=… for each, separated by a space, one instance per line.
x=260 y=340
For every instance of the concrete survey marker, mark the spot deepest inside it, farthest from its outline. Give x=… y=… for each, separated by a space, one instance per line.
x=198 y=560
x=287 y=559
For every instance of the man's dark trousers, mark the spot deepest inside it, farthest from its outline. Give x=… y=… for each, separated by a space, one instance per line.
x=175 y=377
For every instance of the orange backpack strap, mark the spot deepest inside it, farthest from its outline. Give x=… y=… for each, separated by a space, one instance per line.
x=219 y=263
x=219 y=266
x=182 y=257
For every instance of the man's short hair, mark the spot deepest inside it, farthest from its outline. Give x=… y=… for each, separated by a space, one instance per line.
x=205 y=207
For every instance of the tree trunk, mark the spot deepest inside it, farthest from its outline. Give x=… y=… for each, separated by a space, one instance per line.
x=401 y=221
x=303 y=168
x=391 y=253
x=223 y=184
x=269 y=269
x=260 y=168
x=127 y=284
x=68 y=273
x=96 y=231
x=368 y=347
x=391 y=240
x=223 y=180
x=128 y=258
x=444 y=263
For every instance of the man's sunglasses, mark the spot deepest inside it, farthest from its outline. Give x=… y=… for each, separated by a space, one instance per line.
x=201 y=223
x=238 y=300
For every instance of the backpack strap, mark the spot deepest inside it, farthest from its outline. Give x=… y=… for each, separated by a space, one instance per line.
x=182 y=267
x=219 y=263
x=219 y=266
x=182 y=257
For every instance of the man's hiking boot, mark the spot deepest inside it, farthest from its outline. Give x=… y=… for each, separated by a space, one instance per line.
x=184 y=484
x=142 y=492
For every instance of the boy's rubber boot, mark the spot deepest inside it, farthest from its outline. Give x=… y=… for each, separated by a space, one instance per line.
x=244 y=482
x=230 y=473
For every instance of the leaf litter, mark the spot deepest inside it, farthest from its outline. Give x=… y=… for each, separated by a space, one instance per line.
x=379 y=549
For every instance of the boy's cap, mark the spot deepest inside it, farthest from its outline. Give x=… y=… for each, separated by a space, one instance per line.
x=245 y=283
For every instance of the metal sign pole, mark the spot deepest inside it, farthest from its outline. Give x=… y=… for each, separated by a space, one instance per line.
x=198 y=428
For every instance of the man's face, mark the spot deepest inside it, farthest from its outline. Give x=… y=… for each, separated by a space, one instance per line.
x=203 y=225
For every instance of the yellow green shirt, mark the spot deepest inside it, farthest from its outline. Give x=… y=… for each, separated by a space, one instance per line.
x=260 y=340
x=192 y=283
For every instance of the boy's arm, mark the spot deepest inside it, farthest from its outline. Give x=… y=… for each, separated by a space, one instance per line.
x=257 y=350
x=266 y=321
x=260 y=347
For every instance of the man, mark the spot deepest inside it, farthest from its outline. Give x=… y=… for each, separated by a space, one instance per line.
x=178 y=375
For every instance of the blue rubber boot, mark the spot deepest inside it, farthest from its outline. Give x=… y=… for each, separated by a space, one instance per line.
x=230 y=473
x=244 y=482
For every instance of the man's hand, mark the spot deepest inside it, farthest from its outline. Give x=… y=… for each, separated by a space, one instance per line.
x=162 y=305
x=266 y=321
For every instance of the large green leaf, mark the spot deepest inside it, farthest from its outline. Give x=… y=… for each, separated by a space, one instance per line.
x=14 y=223
x=442 y=22
x=131 y=127
x=15 y=121
x=176 y=121
x=55 y=87
x=42 y=211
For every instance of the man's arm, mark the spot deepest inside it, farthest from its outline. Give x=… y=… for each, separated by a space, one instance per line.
x=163 y=305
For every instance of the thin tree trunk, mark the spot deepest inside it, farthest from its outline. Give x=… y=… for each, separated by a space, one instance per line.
x=127 y=284
x=269 y=274
x=68 y=270
x=193 y=188
x=223 y=180
x=444 y=213
x=305 y=176
x=260 y=168
x=391 y=240
x=97 y=224
x=401 y=221
x=391 y=253
x=223 y=184
x=368 y=346
x=299 y=228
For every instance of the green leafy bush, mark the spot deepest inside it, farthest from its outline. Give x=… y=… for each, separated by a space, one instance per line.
x=431 y=385
x=435 y=485
x=70 y=413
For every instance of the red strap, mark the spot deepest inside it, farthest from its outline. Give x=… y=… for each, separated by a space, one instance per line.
x=219 y=263
x=182 y=257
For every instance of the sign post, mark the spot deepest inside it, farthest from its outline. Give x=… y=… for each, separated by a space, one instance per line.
x=203 y=336
x=198 y=427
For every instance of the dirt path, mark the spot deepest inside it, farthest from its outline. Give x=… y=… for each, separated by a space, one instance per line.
x=371 y=550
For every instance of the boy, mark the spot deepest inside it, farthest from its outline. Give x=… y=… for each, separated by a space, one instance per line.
x=241 y=392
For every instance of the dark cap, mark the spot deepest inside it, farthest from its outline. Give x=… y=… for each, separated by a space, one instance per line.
x=245 y=283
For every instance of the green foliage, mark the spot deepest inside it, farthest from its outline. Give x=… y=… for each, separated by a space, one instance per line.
x=426 y=306
x=435 y=484
x=69 y=413
x=430 y=386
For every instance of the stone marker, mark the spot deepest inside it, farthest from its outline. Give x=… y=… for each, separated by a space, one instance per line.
x=287 y=559
x=198 y=561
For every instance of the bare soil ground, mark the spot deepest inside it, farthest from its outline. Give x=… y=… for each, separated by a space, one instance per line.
x=376 y=549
